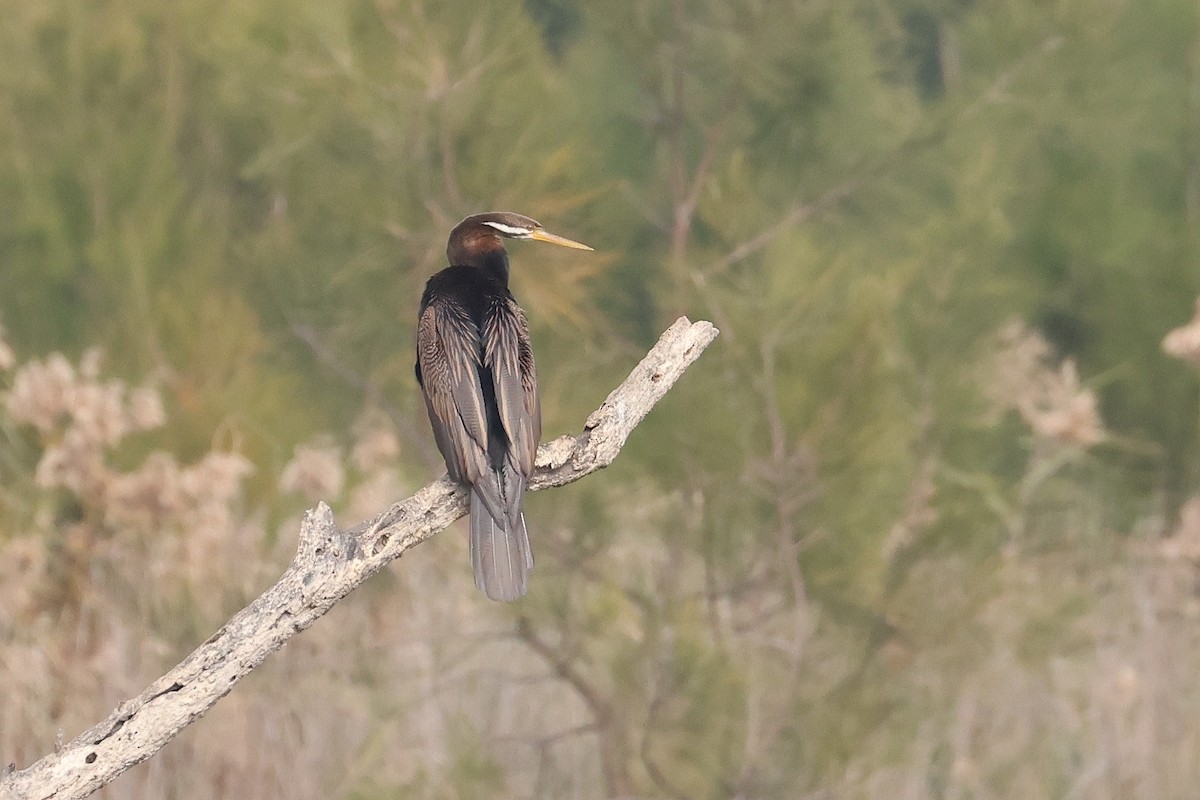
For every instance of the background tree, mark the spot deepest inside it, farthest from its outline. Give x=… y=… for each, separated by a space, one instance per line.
x=918 y=525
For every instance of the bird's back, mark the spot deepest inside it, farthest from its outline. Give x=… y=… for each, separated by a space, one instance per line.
x=475 y=367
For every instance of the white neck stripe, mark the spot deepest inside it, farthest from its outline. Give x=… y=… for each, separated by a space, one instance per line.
x=507 y=229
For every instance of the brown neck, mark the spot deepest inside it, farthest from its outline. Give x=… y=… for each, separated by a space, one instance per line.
x=482 y=250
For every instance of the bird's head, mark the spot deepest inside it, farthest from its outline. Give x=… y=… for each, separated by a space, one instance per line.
x=480 y=234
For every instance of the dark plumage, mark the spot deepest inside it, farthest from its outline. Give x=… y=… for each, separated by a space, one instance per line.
x=475 y=367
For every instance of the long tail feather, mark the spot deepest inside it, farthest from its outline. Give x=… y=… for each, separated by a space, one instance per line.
x=500 y=551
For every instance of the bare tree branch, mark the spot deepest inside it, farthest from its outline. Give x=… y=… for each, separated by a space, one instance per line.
x=329 y=564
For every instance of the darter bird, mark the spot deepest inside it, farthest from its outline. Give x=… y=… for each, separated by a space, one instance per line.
x=475 y=367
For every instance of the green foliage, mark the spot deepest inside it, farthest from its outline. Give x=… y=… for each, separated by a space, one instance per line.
x=844 y=538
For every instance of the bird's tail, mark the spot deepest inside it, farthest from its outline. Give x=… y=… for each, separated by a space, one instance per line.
x=500 y=551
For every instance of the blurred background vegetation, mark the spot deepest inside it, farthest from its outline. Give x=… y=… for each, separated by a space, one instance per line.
x=920 y=524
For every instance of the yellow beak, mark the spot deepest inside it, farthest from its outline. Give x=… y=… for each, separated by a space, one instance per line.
x=539 y=235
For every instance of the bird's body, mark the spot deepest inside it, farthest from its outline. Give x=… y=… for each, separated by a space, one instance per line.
x=476 y=370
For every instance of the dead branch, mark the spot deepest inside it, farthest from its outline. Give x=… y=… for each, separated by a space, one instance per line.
x=329 y=564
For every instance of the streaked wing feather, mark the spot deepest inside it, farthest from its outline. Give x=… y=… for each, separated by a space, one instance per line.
x=448 y=352
x=508 y=353
x=488 y=487
x=445 y=439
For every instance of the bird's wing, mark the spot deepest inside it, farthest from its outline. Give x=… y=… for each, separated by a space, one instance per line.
x=448 y=356
x=507 y=352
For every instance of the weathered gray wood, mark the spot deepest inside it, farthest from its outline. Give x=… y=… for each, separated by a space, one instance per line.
x=328 y=565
